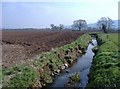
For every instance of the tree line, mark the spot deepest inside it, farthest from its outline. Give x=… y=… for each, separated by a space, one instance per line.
x=104 y=23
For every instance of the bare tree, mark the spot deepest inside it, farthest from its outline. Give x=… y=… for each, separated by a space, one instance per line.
x=110 y=24
x=52 y=26
x=79 y=24
x=105 y=23
x=61 y=26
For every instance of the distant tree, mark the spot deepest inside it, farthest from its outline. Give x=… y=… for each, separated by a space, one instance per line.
x=79 y=24
x=105 y=23
x=61 y=26
x=52 y=26
x=57 y=28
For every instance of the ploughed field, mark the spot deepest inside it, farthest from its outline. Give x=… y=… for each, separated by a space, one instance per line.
x=19 y=46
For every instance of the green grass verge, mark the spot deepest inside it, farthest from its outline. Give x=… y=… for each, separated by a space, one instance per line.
x=105 y=71
x=19 y=76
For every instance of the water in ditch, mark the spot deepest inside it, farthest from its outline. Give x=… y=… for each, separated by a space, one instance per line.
x=82 y=65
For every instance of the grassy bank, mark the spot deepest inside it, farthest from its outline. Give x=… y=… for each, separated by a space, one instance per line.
x=43 y=70
x=105 y=71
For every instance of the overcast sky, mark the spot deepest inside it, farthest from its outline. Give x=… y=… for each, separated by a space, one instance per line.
x=42 y=14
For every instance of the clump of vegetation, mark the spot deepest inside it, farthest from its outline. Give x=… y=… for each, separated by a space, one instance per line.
x=105 y=71
x=73 y=80
x=46 y=77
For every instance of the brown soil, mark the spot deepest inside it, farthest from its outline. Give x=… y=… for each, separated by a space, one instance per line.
x=19 y=46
